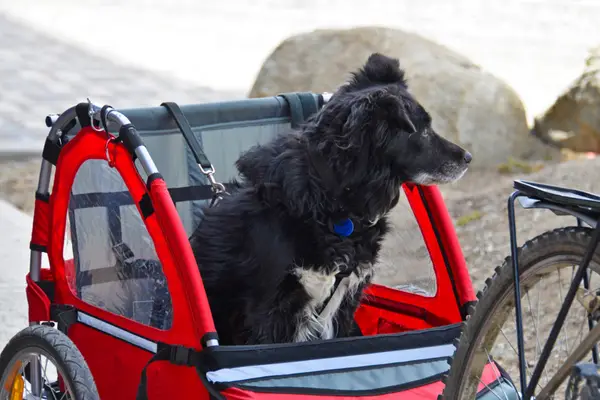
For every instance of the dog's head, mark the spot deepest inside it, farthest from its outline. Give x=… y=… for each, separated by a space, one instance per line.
x=354 y=154
x=374 y=136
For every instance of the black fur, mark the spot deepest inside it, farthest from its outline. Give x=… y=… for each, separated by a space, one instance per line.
x=347 y=161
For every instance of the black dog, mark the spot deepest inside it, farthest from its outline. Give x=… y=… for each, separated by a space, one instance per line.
x=311 y=205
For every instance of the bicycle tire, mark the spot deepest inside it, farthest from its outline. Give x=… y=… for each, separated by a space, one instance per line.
x=60 y=350
x=566 y=242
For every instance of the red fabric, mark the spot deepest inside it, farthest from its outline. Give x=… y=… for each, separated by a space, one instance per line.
x=427 y=392
x=373 y=320
x=117 y=365
x=442 y=220
x=116 y=368
x=387 y=310
x=189 y=275
x=444 y=303
x=490 y=374
x=89 y=144
x=37 y=300
x=41 y=223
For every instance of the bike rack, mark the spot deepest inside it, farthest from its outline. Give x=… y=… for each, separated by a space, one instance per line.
x=581 y=274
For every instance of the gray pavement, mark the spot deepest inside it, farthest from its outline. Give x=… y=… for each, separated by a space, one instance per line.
x=41 y=75
x=15 y=233
x=536 y=46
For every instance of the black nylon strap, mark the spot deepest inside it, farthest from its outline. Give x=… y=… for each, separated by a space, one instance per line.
x=302 y=106
x=186 y=131
x=163 y=354
x=186 y=193
x=200 y=192
x=146 y=206
x=51 y=151
x=320 y=101
x=81 y=110
x=178 y=355
x=209 y=336
x=178 y=194
x=309 y=105
x=296 y=113
x=45 y=197
x=103 y=114
x=131 y=140
x=65 y=315
x=152 y=178
x=38 y=247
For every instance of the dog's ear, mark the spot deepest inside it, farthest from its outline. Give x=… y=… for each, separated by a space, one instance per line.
x=379 y=69
x=383 y=69
x=405 y=121
x=393 y=111
x=380 y=110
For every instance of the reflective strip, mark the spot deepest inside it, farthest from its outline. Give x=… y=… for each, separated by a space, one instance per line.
x=147 y=163
x=116 y=332
x=328 y=364
x=360 y=379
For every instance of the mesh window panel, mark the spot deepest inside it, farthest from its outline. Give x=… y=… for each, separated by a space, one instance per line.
x=404 y=261
x=114 y=265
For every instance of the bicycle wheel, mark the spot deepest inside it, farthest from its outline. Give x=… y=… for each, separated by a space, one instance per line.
x=62 y=373
x=488 y=331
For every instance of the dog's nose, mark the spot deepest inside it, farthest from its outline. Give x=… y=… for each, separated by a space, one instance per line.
x=468 y=157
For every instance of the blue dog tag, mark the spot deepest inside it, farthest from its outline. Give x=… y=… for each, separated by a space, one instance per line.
x=344 y=228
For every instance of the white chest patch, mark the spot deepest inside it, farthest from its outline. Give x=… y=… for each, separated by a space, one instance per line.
x=318 y=286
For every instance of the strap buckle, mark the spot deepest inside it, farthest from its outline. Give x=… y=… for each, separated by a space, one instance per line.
x=186 y=130
x=181 y=355
x=217 y=187
x=211 y=170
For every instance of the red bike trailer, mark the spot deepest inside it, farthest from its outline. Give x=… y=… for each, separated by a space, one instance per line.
x=121 y=280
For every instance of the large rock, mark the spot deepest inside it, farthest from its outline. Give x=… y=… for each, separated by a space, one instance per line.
x=573 y=121
x=467 y=104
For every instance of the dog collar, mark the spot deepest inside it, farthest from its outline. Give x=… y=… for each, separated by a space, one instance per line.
x=344 y=228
